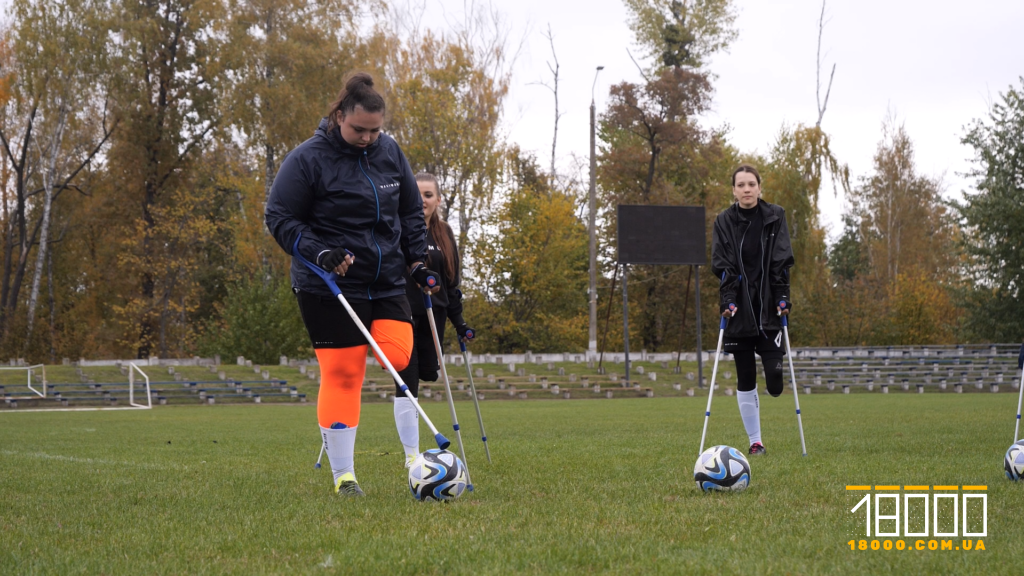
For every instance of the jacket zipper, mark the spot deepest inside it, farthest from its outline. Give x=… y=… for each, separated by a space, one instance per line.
x=743 y=270
x=373 y=234
x=760 y=289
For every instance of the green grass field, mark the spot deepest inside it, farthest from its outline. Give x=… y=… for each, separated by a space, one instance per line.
x=580 y=486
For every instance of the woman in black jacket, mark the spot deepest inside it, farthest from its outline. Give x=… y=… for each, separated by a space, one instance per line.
x=442 y=256
x=347 y=200
x=752 y=256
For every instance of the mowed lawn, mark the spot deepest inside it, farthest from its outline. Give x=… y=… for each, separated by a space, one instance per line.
x=577 y=486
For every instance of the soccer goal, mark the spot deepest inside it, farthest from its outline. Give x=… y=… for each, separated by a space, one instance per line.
x=135 y=376
x=132 y=369
x=29 y=373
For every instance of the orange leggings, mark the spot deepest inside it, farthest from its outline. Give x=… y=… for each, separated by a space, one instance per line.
x=342 y=371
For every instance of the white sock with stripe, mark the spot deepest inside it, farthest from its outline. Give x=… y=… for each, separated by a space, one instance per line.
x=340 y=445
x=750 y=411
x=407 y=420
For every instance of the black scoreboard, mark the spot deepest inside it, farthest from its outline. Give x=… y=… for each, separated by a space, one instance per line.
x=662 y=235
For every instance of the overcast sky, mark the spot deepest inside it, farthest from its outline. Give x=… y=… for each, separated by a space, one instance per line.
x=936 y=65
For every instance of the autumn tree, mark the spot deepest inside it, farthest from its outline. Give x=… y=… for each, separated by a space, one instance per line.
x=799 y=165
x=992 y=219
x=445 y=98
x=532 y=293
x=908 y=241
x=169 y=74
x=285 y=60
x=655 y=151
x=55 y=124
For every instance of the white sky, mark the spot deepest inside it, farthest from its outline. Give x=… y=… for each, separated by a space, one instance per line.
x=935 y=64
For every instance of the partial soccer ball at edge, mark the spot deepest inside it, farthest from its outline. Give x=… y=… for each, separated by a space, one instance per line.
x=722 y=468
x=437 y=475
x=1013 y=463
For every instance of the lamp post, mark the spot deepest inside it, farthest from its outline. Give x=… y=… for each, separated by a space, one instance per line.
x=592 y=218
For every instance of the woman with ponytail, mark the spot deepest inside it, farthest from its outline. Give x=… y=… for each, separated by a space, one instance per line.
x=443 y=256
x=347 y=200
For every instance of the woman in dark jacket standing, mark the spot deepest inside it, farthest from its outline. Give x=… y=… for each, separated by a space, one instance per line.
x=443 y=256
x=751 y=255
x=347 y=200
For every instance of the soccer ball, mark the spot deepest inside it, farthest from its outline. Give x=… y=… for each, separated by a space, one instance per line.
x=721 y=468
x=437 y=475
x=1013 y=463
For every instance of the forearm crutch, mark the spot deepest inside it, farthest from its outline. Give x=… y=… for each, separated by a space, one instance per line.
x=330 y=278
x=447 y=386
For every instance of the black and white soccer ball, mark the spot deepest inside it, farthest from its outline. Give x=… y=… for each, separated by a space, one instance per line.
x=1013 y=463
x=437 y=475
x=722 y=468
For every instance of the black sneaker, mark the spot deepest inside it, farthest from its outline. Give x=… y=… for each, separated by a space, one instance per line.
x=347 y=486
x=757 y=448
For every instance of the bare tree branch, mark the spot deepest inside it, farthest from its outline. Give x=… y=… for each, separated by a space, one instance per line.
x=822 y=105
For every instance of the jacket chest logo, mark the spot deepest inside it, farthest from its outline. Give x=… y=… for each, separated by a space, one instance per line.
x=389 y=186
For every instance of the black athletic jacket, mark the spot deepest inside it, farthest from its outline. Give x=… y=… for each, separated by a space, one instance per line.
x=341 y=196
x=448 y=297
x=727 y=265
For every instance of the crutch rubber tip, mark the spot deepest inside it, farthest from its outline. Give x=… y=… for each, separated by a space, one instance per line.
x=442 y=442
x=317 y=465
x=484 y=438
x=470 y=487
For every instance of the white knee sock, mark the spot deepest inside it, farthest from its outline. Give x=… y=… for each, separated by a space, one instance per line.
x=340 y=445
x=407 y=420
x=751 y=413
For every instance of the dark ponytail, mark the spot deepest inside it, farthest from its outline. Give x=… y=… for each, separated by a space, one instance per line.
x=358 y=91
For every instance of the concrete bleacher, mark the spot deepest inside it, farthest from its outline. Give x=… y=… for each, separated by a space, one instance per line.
x=909 y=369
x=957 y=369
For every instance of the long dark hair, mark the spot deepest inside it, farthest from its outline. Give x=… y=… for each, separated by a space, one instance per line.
x=358 y=91
x=442 y=233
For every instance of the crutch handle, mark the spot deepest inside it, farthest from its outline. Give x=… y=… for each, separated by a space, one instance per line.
x=462 y=345
x=427 y=302
x=785 y=322
x=725 y=321
x=329 y=278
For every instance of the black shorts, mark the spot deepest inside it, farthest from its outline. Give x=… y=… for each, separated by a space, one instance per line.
x=330 y=326
x=768 y=344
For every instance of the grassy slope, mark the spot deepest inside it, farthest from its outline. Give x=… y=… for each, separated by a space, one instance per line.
x=576 y=486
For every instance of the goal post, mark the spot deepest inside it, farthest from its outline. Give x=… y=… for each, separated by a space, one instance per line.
x=132 y=369
x=30 y=370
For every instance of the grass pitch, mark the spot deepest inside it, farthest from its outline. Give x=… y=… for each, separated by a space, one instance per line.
x=579 y=486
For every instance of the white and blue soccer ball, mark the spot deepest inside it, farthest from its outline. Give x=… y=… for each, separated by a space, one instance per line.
x=437 y=475
x=722 y=468
x=1013 y=463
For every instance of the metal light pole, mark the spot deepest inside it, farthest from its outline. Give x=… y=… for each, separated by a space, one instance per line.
x=593 y=217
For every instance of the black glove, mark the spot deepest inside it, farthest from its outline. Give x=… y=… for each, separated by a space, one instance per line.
x=465 y=332
x=420 y=274
x=723 y=307
x=330 y=259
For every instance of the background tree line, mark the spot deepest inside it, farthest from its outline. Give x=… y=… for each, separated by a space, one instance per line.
x=139 y=140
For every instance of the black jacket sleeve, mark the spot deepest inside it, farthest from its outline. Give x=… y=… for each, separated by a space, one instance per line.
x=410 y=213
x=288 y=207
x=781 y=261
x=454 y=294
x=723 y=264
